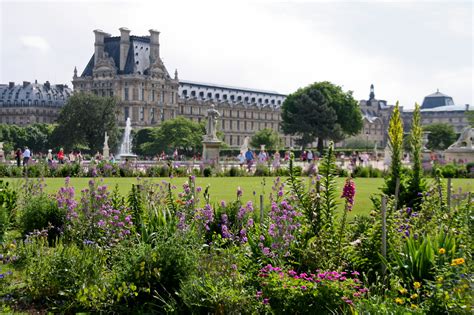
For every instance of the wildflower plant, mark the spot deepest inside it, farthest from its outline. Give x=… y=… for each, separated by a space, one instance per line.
x=289 y=291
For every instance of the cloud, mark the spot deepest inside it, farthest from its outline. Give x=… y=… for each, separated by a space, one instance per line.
x=35 y=42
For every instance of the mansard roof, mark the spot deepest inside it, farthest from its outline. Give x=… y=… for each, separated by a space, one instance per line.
x=229 y=87
x=54 y=95
x=138 y=57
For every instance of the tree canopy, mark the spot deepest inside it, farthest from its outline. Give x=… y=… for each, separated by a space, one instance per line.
x=84 y=120
x=268 y=137
x=178 y=133
x=321 y=111
x=441 y=136
x=36 y=137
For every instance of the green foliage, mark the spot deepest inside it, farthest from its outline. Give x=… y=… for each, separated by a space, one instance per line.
x=441 y=136
x=83 y=122
x=321 y=110
x=395 y=136
x=141 y=137
x=267 y=137
x=36 y=137
x=56 y=274
x=416 y=184
x=470 y=117
x=8 y=204
x=177 y=133
x=41 y=212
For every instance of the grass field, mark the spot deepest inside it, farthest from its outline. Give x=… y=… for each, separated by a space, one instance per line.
x=224 y=188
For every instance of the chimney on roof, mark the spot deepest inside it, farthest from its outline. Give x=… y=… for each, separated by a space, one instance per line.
x=11 y=85
x=124 y=46
x=99 y=44
x=467 y=107
x=47 y=85
x=25 y=84
x=154 y=45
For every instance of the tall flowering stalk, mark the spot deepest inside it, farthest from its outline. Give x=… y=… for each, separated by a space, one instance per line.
x=348 y=193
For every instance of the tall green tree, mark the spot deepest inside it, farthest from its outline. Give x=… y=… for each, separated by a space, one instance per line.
x=268 y=137
x=321 y=111
x=84 y=120
x=140 y=137
x=395 y=140
x=440 y=136
x=178 y=133
x=416 y=184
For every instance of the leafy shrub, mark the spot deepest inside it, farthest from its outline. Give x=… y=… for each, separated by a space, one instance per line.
x=236 y=172
x=158 y=171
x=56 y=274
x=8 y=201
x=288 y=291
x=262 y=170
x=42 y=212
x=207 y=172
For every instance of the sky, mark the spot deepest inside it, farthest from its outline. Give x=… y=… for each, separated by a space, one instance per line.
x=407 y=49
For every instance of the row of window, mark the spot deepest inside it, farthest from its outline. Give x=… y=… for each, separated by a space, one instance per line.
x=152 y=114
x=29 y=103
x=139 y=95
x=233 y=98
x=230 y=113
x=247 y=125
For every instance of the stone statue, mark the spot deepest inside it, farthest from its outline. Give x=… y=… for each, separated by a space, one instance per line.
x=106 y=151
x=465 y=139
x=245 y=145
x=106 y=140
x=212 y=115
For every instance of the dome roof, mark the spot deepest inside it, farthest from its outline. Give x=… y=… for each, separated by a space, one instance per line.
x=436 y=99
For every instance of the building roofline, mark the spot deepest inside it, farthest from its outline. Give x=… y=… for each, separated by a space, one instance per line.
x=221 y=86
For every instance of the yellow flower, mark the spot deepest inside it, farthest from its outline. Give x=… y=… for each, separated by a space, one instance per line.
x=417 y=285
x=403 y=291
x=457 y=261
x=440 y=279
x=442 y=251
x=414 y=306
x=399 y=301
x=413 y=296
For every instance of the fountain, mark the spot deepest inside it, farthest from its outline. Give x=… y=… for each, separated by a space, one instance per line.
x=126 y=146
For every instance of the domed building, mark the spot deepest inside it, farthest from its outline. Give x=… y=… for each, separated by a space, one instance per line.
x=439 y=108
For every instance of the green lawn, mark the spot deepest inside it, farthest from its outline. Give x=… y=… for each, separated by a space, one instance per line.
x=224 y=188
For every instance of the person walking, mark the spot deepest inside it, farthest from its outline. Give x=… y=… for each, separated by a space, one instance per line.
x=18 y=157
x=61 y=156
x=309 y=156
x=49 y=157
x=26 y=156
x=249 y=158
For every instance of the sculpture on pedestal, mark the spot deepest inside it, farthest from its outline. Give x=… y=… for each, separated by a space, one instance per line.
x=211 y=144
x=212 y=115
x=106 y=152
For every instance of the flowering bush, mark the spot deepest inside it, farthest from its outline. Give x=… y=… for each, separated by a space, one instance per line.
x=288 y=291
x=94 y=219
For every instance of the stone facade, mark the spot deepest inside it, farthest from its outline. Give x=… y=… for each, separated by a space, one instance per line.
x=439 y=108
x=31 y=103
x=130 y=68
x=376 y=117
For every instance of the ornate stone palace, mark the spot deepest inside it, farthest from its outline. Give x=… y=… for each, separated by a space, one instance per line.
x=31 y=103
x=130 y=68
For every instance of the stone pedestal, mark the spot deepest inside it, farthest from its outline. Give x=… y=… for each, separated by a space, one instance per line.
x=459 y=155
x=211 y=149
x=106 y=152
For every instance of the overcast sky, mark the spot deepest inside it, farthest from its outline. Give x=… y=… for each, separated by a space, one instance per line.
x=407 y=49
